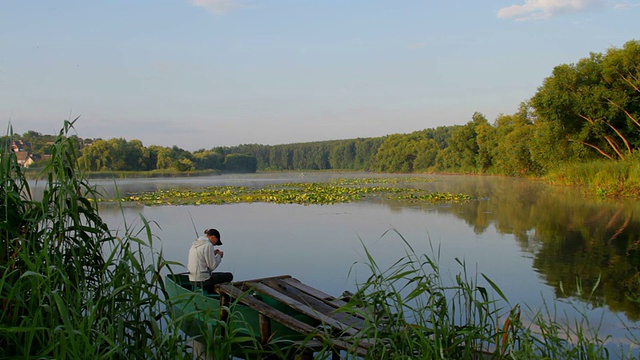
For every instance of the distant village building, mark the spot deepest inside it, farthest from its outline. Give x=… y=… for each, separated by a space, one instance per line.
x=19 y=145
x=24 y=158
x=22 y=150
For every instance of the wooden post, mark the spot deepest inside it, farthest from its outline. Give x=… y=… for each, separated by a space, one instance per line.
x=224 y=306
x=265 y=329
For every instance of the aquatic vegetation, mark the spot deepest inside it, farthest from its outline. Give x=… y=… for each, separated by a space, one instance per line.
x=331 y=192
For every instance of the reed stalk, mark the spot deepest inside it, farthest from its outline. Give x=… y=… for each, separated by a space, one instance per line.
x=414 y=312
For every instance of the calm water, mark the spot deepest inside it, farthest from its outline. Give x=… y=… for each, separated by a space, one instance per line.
x=531 y=239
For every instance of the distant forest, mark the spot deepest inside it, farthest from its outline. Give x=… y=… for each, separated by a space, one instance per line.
x=583 y=111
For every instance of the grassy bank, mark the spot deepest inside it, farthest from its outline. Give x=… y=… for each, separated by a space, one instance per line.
x=602 y=177
x=71 y=288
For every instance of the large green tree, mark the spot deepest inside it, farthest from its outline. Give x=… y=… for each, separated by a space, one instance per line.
x=208 y=160
x=412 y=152
x=485 y=140
x=463 y=152
x=595 y=103
x=343 y=155
x=243 y=163
x=115 y=154
x=172 y=158
x=511 y=150
x=397 y=153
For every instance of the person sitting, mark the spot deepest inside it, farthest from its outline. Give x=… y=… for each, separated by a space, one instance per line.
x=204 y=258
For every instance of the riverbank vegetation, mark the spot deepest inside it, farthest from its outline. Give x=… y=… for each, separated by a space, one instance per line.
x=72 y=288
x=422 y=314
x=601 y=177
x=583 y=121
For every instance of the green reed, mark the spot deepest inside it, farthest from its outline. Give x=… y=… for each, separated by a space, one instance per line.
x=414 y=312
x=70 y=287
x=602 y=177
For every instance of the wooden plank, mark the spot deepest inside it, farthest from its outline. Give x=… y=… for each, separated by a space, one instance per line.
x=261 y=279
x=316 y=304
x=357 y=312
x=288 y=321
x=303 y=308
x=326 y=298
x=265 y=309
x=315 y=292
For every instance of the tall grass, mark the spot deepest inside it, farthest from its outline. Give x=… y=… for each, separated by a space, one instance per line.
x=70 y=287
x=602 y=177
x=414 y=312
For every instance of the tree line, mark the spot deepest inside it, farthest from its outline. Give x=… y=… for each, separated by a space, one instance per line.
x=582 y=111
x=120 y=155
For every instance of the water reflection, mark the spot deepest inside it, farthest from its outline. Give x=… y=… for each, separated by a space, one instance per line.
x=570 y=236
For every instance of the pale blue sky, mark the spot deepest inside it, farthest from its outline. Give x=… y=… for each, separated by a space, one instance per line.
x=205 y=73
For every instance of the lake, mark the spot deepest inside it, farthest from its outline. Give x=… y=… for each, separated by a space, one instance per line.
x=533 y=240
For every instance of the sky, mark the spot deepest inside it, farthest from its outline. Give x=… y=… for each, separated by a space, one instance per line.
x=199 y=74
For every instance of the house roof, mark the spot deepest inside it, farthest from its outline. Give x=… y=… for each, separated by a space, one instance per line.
x=22 y=156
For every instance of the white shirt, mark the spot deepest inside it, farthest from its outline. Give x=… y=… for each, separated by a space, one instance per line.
x=202 y=259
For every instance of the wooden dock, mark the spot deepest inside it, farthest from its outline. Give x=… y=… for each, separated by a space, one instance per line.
x=339 y=329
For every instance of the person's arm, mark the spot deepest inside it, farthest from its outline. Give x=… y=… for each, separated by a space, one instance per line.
x=213 y=259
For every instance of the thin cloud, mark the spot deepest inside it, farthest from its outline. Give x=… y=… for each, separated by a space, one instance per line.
x=544 y=9
x=218 y=6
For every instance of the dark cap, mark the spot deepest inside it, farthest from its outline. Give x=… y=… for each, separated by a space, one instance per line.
x=214 y=232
